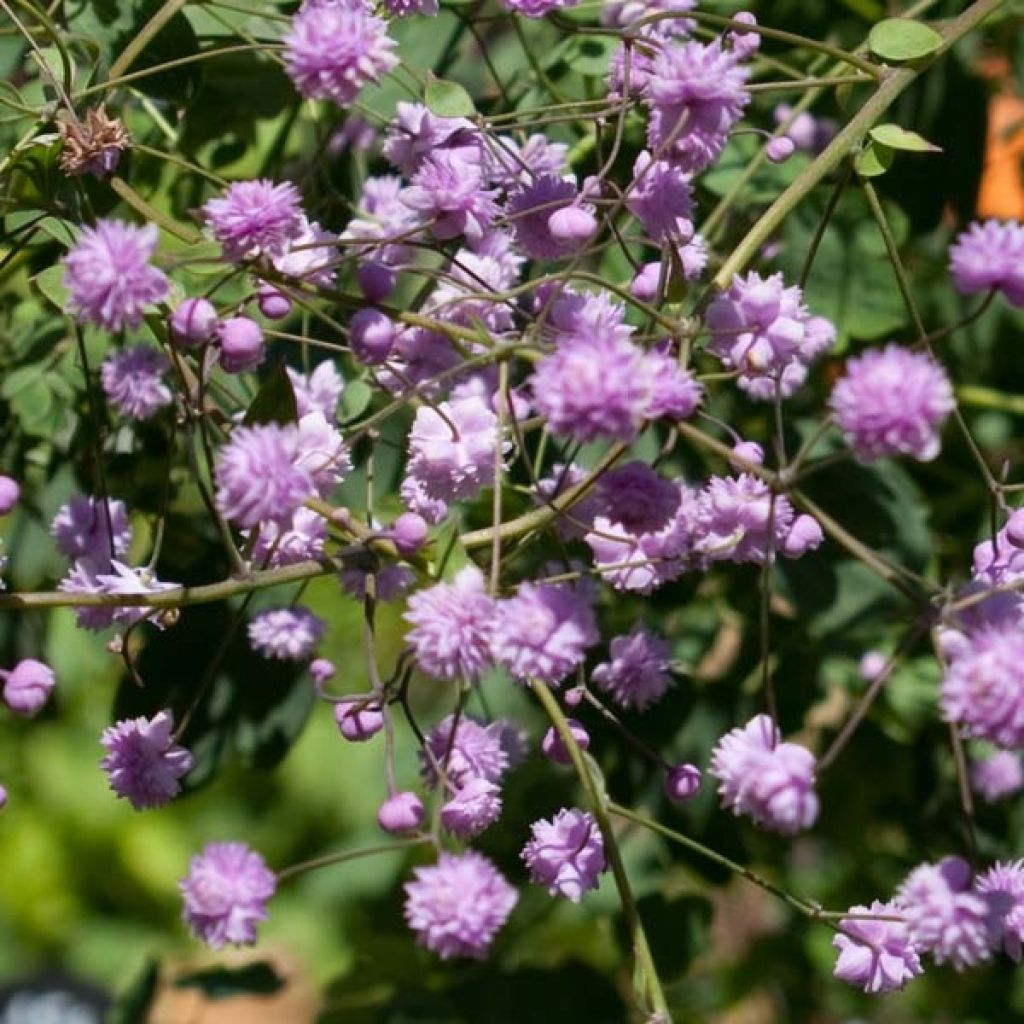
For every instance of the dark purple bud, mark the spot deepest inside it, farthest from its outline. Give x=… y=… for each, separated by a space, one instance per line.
x=193 y=323
x=682 y=782
x=357 y=720
x=574 y=697
x=401 y=813
x=3 y=798
x=372 y=336
x=241 y=344
x=10 y=492
x=376 y=281
x=1015 y=529
x=274 y=305
x=554 y=749
x=27 y=687
x=409 y=531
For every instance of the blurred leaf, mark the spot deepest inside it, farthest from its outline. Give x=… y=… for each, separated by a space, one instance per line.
x=50 y=283
x=275 y=400
x=448 y=99
x=591 y=55
x=903 y=39
x=133 y=1006
x=355 y=400
x=873 y=160
x=896 y=137
x=228 y=982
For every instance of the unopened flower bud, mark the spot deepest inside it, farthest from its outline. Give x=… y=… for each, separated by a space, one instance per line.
x=1015 y=529
x=682 y=782
x=193 y=323
x=241 y=344
x=555 y=750
x=645 y=284
x=572 y=225
x=357 y=720
x=3 y=798
x=376 y=281
x=321 y=670
x=749 y=451
x=408 y=531
x=274 y=304
x=27 y=687
x=804 y=535
x=10 y=492
x=372 y=336
x=574 y=697
x=745 y=44
x=779 y=149
x=401 y=814
x=872 y=665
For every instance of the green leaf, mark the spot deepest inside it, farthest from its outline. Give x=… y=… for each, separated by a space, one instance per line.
x=902 y=39
x=448 y=99
x=591 y=55
x=229 y=982
x=895 y=137
x=275 y=400
x=873 y=160
x=355 y=399
x=50 y=283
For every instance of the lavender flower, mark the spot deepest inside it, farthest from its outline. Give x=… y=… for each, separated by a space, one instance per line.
x=448 y=190
x=302 y=539
x=998 y=776
x=452 y=447
x=255 y=218
x=403 y=8
x=318 y=391
x=93 y=528
x=876 y=956
x=893 y=401
x=458 y=905
x=637 y=675
x=662 y=199
x=226 y=893
x=258 y=475
x=474 y=807
x=287 y=634
x=765 y=779
x=143 y=762
x=623 y=13
x=530 y=210
x=452 y=626
x=990 y=255
x=415 y=133
x=566 y=854
x=476 y=752
x=401 y=814
x=109 y=576
x=983 y=688
x=193 y=322
x=309 y=255
x=944 y=916
x=109 y=278
x=131 y=381
x=675 y=392
x=27 y=687
x=537 y=8
x=10 y=494
x=336 y=47
x=635 y=497
x=543 y=632
x=1002 y=887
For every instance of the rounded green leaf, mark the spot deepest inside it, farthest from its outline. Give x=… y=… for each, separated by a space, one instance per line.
x=895 y=137
x=902 y=39
x=874 y=160
x=448 y=99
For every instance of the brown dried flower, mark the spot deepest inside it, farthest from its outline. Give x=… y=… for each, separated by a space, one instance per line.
x=94 y=145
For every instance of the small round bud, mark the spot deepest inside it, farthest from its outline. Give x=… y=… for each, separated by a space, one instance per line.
x=322 y=670
x=645 y=284
x=574 y=697
x=372 y=336
x=745 y=44
x=241 y=344
x=376 y=281
x=274 y=305
x=3 y=798
x=357 y=720
x=572 y=225
x=554 y=749
x=872 y=665
x=749 y=451
x=682 y=782
x=10 y=492
x=804 y=535
x=779 y=149
x=401 y=813
x=408 y=531
x=193 y=323
x=1014 y=528
x=27 y=687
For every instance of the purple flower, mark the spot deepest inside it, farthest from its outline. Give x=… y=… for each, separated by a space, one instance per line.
x=413 y=493
x=637 y=675
x=143 y=762
x=511 y=164
x=624 y=12
x=390 y=582
x=983 y=688
x=93 y=528
x=302 y=539
x=537 y=8
x=530 y=210
x=876 y=956
x=579 y=519
x=543 y=632
x=255 y=218
x=763 y=329
x=109 y=278
x=944 y=916
x=358 y=720
x=1002 y=887
x=401 y=814
x=696 y=94
x=683 y=782
x=403 y=8
x=675 y=393
x=226 y=893
x=381 y=216
x=109 y=576
x=635 y=497
x=452 y=447
x=662 y=199
x=258 y=475
x=476 y=752
x=475 y=806
x=131 y=380
x=990 y=255
x=893 y=401
x=321 y=452
x=448 y=190
x=765 y=779
x=458 y=905
x=555 y=749
x=287 y=634
x=415 y=133
x=740 y=525
x=566 y=854
x=318 y=391
x=193 y=322
x=452 y=626
x=334 y=48
x=27 y=687
x=309 y=256
x=10 y=494
x=998 y=776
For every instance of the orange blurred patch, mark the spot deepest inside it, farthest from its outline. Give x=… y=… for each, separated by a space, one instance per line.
x=1002 y=183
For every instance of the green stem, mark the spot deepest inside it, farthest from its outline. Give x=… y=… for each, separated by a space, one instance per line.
x=598 y=800
x=145 y=35
x=330 y=859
